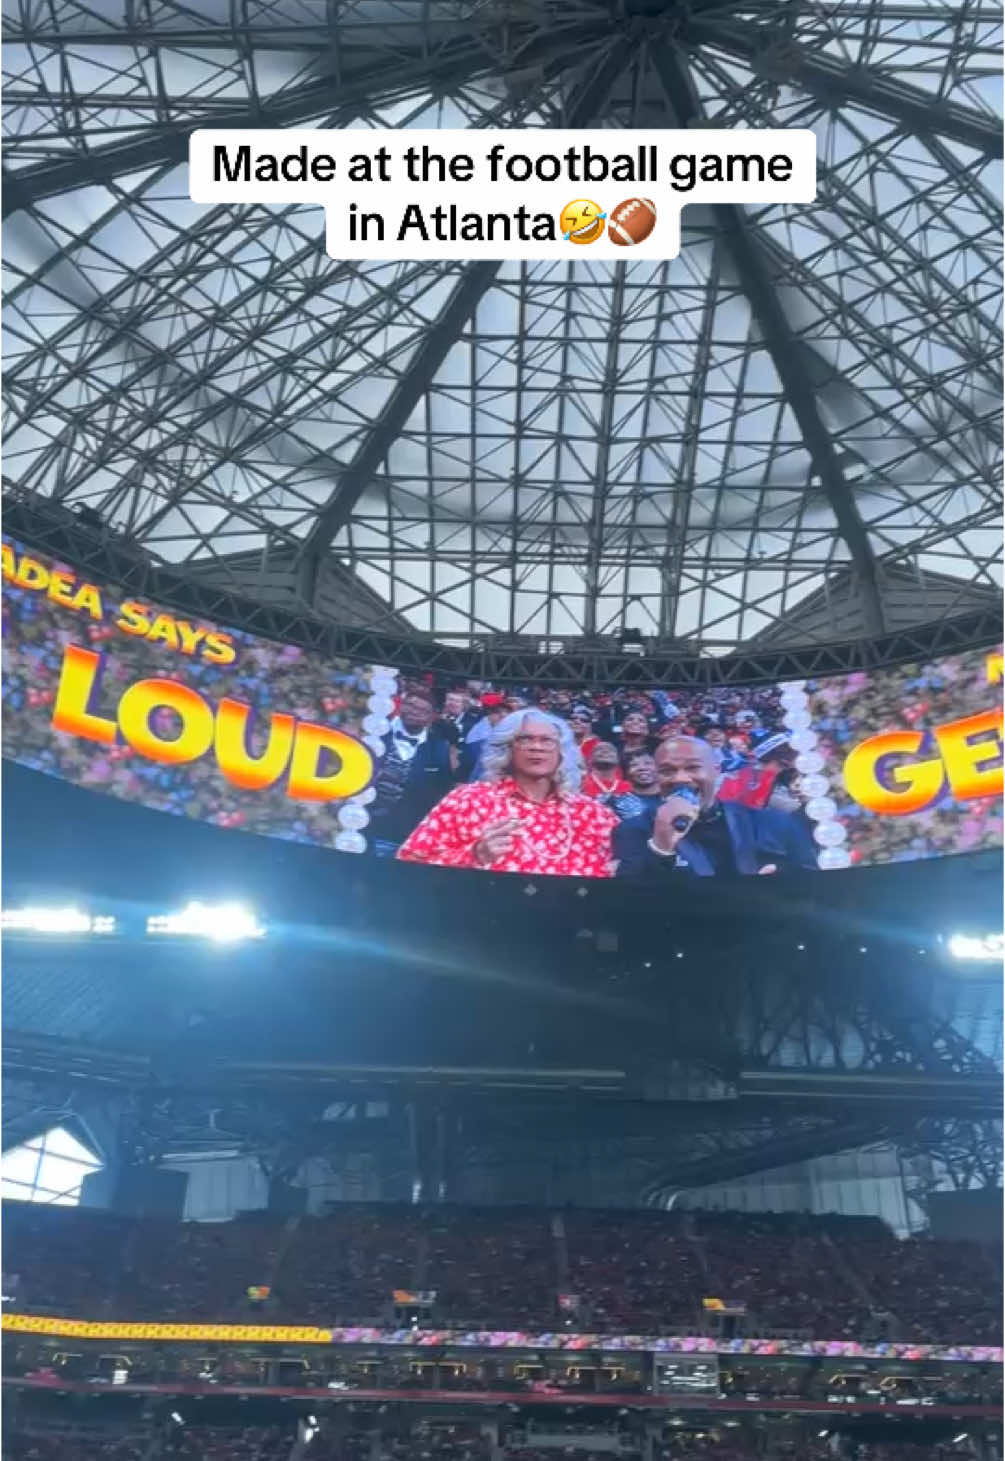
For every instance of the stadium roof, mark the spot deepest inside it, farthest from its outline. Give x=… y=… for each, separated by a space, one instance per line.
x=801 y=411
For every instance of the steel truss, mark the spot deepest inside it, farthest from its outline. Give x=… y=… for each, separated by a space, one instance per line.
x=523 y=454
x=950 y=1154
x=37 y=525
x=764 y=1066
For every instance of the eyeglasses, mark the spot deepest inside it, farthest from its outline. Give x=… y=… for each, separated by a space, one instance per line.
x=545 y=743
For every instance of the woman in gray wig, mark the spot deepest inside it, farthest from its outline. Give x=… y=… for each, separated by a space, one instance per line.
x=526 y=814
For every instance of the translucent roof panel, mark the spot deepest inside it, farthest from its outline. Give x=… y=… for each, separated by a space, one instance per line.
x=50 y=1169
x=690 y=449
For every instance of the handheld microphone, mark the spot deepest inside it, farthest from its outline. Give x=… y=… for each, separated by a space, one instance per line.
x=688 y=794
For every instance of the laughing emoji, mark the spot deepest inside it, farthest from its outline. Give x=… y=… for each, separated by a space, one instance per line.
x=581 y=222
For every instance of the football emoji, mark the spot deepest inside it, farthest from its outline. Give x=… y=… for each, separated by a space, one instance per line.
x=632 y=221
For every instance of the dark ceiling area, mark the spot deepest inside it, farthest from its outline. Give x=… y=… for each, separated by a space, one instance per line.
x=424 y=963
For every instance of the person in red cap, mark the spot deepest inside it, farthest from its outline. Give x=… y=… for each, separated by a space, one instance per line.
x=493 y=706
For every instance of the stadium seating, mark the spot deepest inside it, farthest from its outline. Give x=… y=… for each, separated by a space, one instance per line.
x=781 y=1266
x=62 y=1444
x=634 y=1272
x=637 y=1272
x=493 y=1263
x=344 y=1268
x=436 y=1442
x=67 y=1259
x=217 y=1443
x=198 y=1270
x=945 y=1290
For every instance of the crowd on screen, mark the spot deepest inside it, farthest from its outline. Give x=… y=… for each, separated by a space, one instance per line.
x=573 y=782
x=631 y=1273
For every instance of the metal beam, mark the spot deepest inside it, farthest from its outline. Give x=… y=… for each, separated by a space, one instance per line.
x=591 y=96
x=780 y=342
x=471 y=285
x=341 y=99
x=50 y=529
x=459 y=61
x=732 y=1157
x=676 y=542
x=606 y=428
x=836 y=85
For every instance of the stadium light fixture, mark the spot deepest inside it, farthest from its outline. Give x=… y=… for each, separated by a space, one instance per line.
x=990 y=948
x=54 y=921
x=221 y=923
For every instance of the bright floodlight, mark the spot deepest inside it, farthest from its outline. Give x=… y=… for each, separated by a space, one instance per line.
x=990 y=948
x=222 y=923
x=53 y=920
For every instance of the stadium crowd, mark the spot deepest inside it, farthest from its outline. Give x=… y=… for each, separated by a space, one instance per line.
x=230 y=1443
x=928 y=1296
x=444 y=1441
x=62 y=1444
x=479 y=1267
x=353 y=1277
x=630 y=1274
x=634 y=1272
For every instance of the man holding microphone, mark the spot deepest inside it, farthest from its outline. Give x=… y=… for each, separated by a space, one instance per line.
x=690 y=833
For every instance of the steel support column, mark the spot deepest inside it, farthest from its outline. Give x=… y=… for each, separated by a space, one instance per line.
x=473 y=283
x=779 y=341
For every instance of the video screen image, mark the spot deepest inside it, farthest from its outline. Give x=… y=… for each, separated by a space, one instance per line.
x=649 y=782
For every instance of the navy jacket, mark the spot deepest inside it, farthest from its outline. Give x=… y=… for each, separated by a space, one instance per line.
x=758 y=837
x=428 y=779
